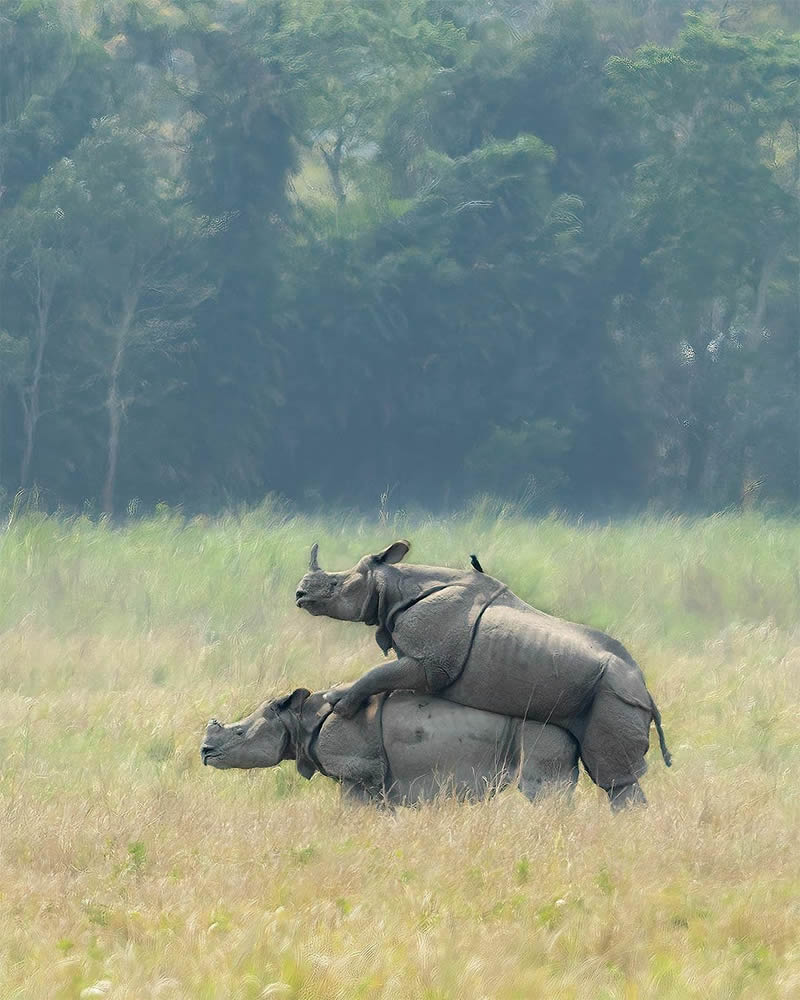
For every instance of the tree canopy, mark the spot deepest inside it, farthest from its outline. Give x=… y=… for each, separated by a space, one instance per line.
x=334 y=249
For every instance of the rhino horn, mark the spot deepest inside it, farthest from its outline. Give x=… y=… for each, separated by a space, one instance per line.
x=313 y=565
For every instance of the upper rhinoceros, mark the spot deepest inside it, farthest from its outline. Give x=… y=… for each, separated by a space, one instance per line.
x=466 y=637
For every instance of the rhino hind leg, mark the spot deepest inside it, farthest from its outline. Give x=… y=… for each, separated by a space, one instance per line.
x=613 y=741
x=626 y=795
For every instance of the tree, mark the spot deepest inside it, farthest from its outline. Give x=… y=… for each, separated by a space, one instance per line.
x=355 y=62
x=12 y=356
x=41 y=263
x=140 y=249
x=711 y=224
x=53 y=81
x=337 y=246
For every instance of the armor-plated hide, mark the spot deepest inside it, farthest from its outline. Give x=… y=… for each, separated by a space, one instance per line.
x=466 y=637
x=403 y=748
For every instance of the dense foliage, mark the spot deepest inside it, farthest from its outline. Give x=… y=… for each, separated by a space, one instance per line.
x=335 y=249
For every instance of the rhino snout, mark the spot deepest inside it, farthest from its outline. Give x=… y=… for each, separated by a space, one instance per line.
x=206 y=751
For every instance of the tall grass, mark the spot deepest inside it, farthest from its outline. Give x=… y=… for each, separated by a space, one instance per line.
x=129 y=871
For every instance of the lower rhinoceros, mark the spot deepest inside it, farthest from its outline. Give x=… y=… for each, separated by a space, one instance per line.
x=398 y=748
x=466 y=637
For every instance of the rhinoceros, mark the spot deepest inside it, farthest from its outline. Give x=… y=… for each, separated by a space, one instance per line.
x=399 y=748
x=463 y=635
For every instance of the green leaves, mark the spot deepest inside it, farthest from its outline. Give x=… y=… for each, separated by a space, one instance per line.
x=564 y=236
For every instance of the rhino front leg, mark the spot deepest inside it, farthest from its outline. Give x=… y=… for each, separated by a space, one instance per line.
x=403 y=674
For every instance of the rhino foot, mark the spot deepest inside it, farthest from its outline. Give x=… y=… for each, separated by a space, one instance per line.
x=626 y=796
x=346 y=707
x=342 y=704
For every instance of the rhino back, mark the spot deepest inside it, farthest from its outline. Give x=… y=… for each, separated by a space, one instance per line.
x=527 y=664
x=434 y=745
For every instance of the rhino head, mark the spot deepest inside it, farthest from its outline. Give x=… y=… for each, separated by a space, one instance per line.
x=262 y=739
x=350 y=594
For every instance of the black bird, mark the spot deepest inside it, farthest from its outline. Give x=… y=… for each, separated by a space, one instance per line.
x=474 y=563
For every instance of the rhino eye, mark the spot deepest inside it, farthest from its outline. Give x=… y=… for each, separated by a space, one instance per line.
x=240 y=732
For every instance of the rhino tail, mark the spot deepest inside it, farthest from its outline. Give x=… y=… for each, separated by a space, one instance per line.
x=660 y=730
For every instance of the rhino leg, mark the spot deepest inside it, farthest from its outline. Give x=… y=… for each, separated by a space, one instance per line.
x=403 y=674
x=613 y=739
x=549 y=760
x=627 y=795
x=356 y=794
x=538 y=785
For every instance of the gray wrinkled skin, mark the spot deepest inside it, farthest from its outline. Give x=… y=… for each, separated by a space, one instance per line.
x=402 y=750
x=260 y=740
x=467 y=638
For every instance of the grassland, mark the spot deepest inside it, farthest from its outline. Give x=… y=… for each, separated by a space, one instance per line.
x=129 y=871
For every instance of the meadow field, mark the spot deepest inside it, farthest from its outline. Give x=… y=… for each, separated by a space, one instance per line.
x=129 y=871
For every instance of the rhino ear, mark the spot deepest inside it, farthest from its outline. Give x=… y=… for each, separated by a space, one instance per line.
x=294 y=701
x=394 y=553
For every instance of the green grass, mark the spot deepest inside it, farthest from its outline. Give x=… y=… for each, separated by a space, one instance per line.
x=129 y=871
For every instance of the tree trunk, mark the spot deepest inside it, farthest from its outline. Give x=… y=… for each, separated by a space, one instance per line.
x=771 y=261
x=112 y=450
x=115 y=402
x=797 y=359
x=333 y=161
x=697 y=446
x=750 y=482
x=2 y=404
x=29 y=425
x=30 y=397
x=703 y=401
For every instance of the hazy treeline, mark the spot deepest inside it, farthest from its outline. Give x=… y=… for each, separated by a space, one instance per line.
x=326 y=248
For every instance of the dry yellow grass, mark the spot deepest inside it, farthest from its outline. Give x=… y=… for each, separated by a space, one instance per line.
x=129 y=871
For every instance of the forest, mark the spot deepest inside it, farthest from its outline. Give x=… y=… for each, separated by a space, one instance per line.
x=400 y=252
